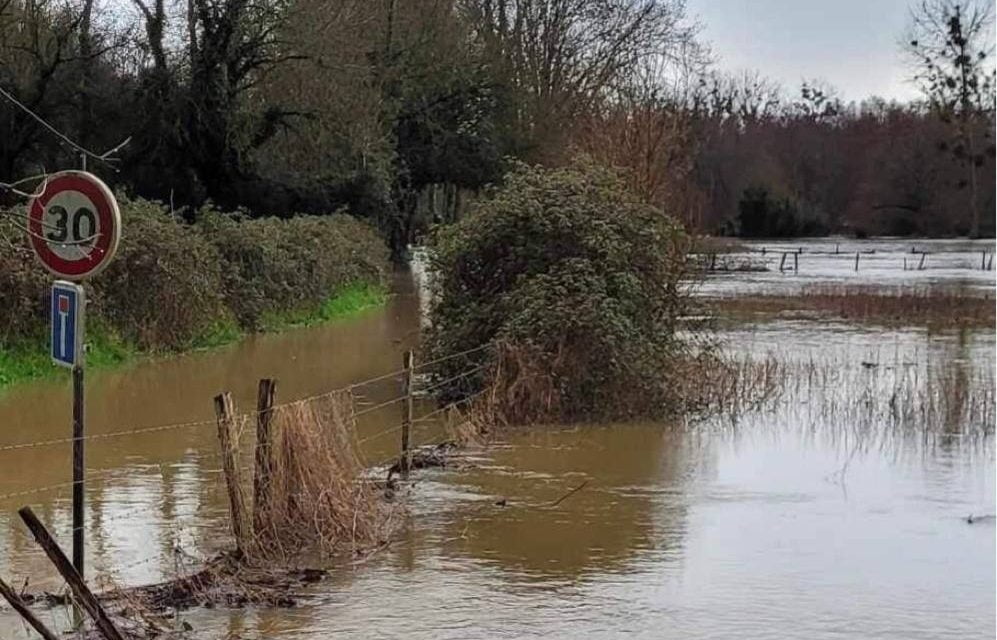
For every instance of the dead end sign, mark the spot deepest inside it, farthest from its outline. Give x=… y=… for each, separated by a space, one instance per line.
x=74 y=225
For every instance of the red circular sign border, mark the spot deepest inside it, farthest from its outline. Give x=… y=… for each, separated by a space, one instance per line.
x=107 y=210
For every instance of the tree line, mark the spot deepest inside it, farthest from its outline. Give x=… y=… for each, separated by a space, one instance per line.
x=401 y=110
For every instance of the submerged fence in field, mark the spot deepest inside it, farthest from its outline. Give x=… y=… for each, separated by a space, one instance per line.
x=789 y=260
x=412 y=381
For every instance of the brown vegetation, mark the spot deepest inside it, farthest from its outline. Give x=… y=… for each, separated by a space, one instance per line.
x=317 y=502
x=902 y=306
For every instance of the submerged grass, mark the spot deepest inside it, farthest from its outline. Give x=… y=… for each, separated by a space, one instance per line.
x=877 y=399
x=900 y=306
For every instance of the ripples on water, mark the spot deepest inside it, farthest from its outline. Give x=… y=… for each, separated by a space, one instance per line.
x=785 y=524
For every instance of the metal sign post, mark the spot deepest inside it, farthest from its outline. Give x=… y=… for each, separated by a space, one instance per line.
x=74 y=227
x=67 y=310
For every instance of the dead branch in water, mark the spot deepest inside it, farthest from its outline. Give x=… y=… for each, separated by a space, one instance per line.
x=568 y=495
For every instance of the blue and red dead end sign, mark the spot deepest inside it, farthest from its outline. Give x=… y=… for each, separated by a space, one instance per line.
x=74 y=225
x=68 y=301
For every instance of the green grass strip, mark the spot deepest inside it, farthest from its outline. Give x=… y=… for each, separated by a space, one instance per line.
x=29 y=359
x=348 y=302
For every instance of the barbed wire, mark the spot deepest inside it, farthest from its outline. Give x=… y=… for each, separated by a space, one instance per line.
x=103 y=436
x=378 y=406
x=451 y=379
x=451 y=356
x=244 y=415
x=452 y=405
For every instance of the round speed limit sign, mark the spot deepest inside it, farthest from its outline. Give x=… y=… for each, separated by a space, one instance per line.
x=74 y=225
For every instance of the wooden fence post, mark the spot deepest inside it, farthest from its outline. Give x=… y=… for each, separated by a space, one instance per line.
x=15 y=601
x=782 y=262
x=225 y=413
x=920 y=265
x=405 y=462
x=83 y=594
x=983 y=260
x=796 y=262
x=856 y=261
x=264 y=452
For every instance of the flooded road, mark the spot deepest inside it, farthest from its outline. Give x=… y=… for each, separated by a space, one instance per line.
x=782 y=524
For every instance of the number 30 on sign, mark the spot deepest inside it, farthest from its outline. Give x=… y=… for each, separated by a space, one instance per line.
x=74 y=225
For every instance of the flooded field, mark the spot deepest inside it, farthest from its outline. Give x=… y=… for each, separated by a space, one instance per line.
x=948 y=264
x=820 y=516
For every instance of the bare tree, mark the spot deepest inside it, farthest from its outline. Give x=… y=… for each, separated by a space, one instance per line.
x=562 y=54
x=950 y=44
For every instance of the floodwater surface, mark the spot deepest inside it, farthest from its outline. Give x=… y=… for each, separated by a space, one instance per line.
x=791 y=522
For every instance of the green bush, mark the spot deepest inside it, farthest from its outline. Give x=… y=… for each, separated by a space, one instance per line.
x=24 y=283
x=174 y=286
x=579 y=280
x=164 y=287
x=273 y=265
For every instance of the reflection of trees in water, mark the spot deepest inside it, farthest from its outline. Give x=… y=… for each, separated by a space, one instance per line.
x=633 y=503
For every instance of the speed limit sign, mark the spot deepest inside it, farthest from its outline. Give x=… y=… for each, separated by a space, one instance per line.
x=74 y=225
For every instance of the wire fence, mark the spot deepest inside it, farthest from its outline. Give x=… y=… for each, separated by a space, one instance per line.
x=785 y=258
x=207 y=462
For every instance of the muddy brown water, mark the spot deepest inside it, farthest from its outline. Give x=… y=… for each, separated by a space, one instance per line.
x=779 y=525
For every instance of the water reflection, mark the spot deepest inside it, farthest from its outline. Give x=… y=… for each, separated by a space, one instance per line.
x=632 y=502
x=791 y=523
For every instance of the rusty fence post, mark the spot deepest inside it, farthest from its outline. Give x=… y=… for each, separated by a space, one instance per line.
x=225 y=414
x=264 y=452
x=405 y=462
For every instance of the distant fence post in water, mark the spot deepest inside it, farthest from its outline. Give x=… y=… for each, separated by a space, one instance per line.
x=264 y=452
x=405 y=462
x=224 y=411
x=856 y=261
x=782 y=263
x=920 y=265
x=796 y=261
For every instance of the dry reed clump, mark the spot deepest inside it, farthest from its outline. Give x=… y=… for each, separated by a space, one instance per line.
x=894 y=307
x=521 y=387
x=317 y=501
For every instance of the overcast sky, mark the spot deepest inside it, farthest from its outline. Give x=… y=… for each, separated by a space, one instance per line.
x=853 y=44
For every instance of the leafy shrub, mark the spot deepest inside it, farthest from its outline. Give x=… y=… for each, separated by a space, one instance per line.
x=175 y=285
x=578 y=280
x=164 y=287
x=272 y=265
x=24 y=283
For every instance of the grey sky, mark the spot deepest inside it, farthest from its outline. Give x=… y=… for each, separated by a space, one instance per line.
x=850 y=43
